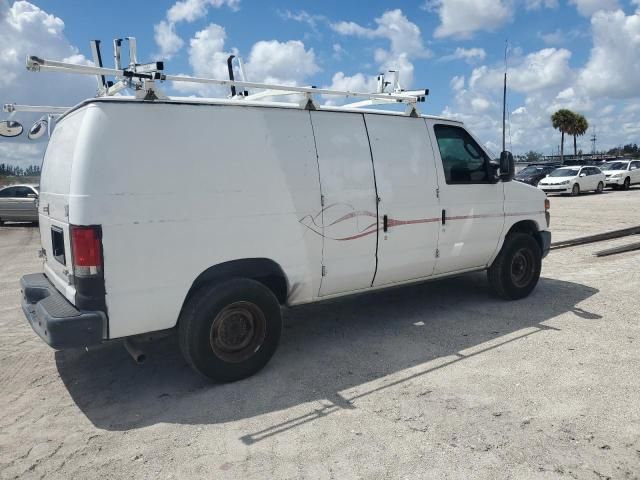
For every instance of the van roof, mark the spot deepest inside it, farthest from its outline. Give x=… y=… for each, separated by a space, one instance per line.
x=243 y=103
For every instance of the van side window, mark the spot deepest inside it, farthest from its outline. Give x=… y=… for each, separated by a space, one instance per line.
x=462 y=158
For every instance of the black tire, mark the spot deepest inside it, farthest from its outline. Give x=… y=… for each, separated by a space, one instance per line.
x=229 y=331
x=627 y=184
x=575 y=191
x=600 y=188
x=515 y=272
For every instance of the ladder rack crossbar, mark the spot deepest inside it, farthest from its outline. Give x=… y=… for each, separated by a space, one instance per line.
x=38 y=64
x=12 y=107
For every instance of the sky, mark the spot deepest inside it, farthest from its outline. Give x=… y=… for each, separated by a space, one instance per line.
x=578 y=54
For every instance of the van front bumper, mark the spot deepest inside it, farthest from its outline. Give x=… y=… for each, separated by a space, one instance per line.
x=545 y=240
x=56 y=320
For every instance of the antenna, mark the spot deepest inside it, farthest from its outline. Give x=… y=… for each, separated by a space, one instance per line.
x=504 y=98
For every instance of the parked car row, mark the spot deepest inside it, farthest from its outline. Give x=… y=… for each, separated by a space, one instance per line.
x=573 y=180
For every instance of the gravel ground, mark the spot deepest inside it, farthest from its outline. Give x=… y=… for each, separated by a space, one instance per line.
x=438 y=380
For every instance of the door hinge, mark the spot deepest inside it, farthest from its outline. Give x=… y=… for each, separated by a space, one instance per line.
x=437 y=192
x=324 y=271
x=66 y=211
x=322 y=200
x=45 y=209
x=437 y=253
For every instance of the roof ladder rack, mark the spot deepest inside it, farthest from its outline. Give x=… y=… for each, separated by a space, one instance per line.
x=142 y=78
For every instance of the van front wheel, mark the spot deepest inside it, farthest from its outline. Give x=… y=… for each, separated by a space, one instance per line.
x=516 y=270
x=229 y=331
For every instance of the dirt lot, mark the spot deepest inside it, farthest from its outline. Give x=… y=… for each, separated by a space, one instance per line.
x=431 y=381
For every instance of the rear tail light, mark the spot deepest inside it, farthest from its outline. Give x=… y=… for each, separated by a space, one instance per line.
x=86 y=247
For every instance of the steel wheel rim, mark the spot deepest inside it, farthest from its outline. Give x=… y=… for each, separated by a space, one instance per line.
x=522 y=268
x=238 y=331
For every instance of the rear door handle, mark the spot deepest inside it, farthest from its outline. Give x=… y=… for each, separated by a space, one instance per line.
x=444 y=217
x=385 y=223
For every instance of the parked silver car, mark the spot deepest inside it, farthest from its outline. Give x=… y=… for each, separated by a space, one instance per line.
x=19 y=203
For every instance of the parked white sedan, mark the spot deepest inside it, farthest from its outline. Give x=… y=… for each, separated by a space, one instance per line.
x=622 y=174
x=573 y=180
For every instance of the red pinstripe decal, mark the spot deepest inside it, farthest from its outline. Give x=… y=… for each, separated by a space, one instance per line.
x=309 y=221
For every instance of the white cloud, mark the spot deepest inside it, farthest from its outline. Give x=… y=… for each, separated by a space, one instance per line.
x=165 y=34
x=589 y=7
x=536 y=4
x=470 y=55
x=613 y=69
x=167 y=39
x=404 y=35
x=269 y=61
x=190 y=10
x=546 y=68
x=462 y=18
x=281 y=62
x=405 y=42
x=303 y=17
x=25 y=29
x=21 y=154
x=355 y=83
x=457 y=83
x=207 y=57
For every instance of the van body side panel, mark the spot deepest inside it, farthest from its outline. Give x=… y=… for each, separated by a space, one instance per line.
x=522 y=202
x=178 y=189
x=349 y=216
x=406 y=181
x=474 y=218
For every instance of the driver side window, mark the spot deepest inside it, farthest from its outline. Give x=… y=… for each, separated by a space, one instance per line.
x=462 y=158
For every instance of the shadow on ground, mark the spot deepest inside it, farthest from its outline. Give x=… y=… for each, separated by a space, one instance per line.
x=325 y=349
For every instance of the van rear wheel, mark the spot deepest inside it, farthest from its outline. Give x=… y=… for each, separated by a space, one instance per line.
x=229 y=331
x=516 y=270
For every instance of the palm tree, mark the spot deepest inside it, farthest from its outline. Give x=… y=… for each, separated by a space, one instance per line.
x=578 y=128
x=562 y=120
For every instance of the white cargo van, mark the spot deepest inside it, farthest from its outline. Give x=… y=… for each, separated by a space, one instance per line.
x=209 y=216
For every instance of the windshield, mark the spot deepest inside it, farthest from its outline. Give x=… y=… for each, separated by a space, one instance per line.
x=565 y=172
x=530 y=171
x=614 y=166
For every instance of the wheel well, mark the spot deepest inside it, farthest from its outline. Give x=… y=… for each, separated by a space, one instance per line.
x=262 y=270
x=529 y=227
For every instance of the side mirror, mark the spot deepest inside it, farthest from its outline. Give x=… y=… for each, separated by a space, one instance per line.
x=10 y=128
x=583 y=174
x=38 y=129
x=507 y=167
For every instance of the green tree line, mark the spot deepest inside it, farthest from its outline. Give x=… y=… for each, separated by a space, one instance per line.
x=15 y=171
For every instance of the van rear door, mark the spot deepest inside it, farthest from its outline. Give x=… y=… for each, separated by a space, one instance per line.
x=53 y=208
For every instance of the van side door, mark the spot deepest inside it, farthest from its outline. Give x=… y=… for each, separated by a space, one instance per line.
x=408 y=207
x=348 y=220
x=472 y=200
